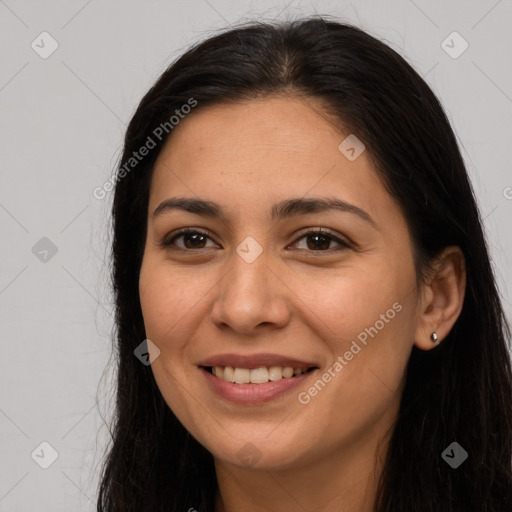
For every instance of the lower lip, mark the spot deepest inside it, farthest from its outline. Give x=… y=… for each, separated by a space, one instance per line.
x=254 y=393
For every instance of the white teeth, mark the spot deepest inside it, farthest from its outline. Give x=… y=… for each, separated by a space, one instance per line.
x=256 y=375
x=259 y=375
x=228 y=374
x=242 y=375
x=275 y=373
x=287 y=372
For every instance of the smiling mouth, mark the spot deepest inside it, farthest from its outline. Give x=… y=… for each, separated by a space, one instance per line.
x=260 y=375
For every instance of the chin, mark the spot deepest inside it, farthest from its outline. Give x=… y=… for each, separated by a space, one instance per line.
x=257 y=455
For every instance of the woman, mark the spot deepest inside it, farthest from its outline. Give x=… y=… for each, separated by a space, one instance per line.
x=298 y=253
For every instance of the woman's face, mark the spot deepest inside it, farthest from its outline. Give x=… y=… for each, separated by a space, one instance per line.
x=259 y=280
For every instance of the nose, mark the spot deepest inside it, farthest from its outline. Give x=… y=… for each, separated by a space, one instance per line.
x=250 y=298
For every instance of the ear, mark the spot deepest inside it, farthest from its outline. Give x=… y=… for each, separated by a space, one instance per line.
x=442 y=298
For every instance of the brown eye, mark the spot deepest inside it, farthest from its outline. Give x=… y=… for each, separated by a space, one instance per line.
x=318 y=241
x=321 y=240
x=192 y=239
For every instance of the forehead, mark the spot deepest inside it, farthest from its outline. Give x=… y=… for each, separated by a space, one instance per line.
x=275 y=124
x=261 y=149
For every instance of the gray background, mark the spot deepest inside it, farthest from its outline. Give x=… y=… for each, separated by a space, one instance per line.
x=62 y=122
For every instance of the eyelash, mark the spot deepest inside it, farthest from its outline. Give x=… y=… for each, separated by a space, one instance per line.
x=168 y=243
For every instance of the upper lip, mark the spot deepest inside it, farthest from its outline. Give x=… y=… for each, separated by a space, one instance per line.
x=254 y=361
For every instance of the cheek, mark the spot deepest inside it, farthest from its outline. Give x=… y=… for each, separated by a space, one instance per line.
x=355 y=298
x=155 y=299
x=367 y=316
x=168 y=296
x=167 y=301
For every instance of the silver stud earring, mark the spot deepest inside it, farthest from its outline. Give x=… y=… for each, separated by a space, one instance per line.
x=433 y=337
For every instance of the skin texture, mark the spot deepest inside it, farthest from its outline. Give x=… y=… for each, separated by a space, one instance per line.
x=201 y=298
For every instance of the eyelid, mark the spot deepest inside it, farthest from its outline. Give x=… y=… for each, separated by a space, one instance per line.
x=343 y=242
x=168 y=240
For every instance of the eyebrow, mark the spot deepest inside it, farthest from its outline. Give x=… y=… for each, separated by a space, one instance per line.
x=282 y=210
